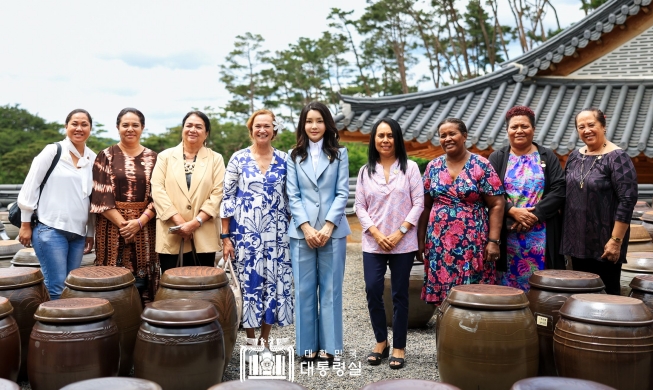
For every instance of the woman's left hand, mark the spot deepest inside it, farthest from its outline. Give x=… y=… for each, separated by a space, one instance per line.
x=128 y=229
x=187 y=229
x=88 y=245
x=395 y=237
x=491 y=252
x=325 y=233
x=612 y=251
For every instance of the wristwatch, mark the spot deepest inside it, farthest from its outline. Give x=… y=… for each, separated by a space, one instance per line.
x=223 y=236
x=617 y=239
x=199 y=220
x=403 y=229
x=498 y=242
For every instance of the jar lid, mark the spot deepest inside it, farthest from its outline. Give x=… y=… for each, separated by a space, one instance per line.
x=603 y=309
x=563 y=280
x=74 y=310
x=6 y=384
x=5 y=307
x=391 y=384
x=12 y=278
x=487 y=296
x=26 y=257
x=179 y=312
x=9 y=247
x=556 y=383
x=100 y=278
x=638 y=233
x=647 y=216
x=112 y=383
x=194 y=278
x=639 y=262
x=642 y=283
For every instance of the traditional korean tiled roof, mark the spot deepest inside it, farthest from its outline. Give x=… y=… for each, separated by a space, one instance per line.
x=624 y=91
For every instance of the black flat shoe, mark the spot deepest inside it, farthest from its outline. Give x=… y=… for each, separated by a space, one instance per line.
x=393 y=359
x=378 y=357
x=308 y=358
x=327 y=357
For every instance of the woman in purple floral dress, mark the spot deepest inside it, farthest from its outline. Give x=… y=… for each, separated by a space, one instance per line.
x=458 y=232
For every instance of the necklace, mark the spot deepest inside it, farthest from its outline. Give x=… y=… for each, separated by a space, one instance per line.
x=189 y=167
x=582 y=165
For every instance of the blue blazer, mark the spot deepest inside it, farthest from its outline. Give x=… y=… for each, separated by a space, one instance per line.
x=318 y=200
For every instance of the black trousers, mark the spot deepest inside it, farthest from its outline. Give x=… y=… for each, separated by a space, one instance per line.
x=170 y=261
x=374 y=268
x=609 y=272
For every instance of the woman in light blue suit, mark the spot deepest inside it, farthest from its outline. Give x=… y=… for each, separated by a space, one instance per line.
x=318 y=188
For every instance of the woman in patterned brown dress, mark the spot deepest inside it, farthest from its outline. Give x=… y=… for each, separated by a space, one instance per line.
x=122 y=198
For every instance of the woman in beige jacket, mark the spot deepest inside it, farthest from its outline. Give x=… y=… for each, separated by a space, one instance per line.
x=187 y=191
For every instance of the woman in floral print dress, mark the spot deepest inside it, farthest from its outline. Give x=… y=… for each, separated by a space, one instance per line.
x=458 y=232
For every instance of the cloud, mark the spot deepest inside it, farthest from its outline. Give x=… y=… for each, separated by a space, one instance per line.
x=181 y=60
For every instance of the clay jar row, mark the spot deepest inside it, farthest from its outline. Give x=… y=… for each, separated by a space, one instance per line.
x=9 y=342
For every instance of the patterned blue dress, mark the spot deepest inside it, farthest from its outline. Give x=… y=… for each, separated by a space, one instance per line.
x=258 y=207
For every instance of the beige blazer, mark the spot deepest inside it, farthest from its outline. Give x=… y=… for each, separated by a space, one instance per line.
x=172 y=196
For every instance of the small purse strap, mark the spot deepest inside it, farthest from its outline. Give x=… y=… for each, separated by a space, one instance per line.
x=180 y=258
x=230 y=268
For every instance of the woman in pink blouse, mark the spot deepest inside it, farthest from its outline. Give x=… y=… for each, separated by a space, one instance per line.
x=388 y=234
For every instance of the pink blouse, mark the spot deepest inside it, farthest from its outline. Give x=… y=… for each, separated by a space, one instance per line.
x=388 y=205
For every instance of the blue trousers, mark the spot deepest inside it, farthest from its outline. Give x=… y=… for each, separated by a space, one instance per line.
x=59 y=252
x=374 y=268
x=318 y=275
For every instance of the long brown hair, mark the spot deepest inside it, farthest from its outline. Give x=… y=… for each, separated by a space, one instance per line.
x=330 y=145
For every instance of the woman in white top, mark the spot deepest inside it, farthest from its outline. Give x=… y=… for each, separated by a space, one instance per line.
x=65 y=228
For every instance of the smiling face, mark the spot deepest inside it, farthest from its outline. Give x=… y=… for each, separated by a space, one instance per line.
x=451 y=139
x=194 y=131
x=78 y=129
x=130 y=129
x=315 y=126
x=520 y=132
x=262 y=131
x=384 y=141
x=590 y=130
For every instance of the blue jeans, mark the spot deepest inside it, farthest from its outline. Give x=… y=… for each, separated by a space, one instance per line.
x=59 y=252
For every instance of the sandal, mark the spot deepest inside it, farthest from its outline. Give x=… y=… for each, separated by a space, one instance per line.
x=378 y=357
x=393 y=359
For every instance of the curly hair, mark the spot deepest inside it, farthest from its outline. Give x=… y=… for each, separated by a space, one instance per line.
x=519 y=111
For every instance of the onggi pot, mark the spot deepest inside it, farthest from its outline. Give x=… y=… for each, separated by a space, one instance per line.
x=9 y=342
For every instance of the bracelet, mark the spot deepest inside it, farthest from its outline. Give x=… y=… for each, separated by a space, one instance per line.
x=198 y=219
x=617 y=239
x=139 y=223
x=147 y=215
x=223 y=236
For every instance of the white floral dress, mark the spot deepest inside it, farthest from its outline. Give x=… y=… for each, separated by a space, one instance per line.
x=258 y=206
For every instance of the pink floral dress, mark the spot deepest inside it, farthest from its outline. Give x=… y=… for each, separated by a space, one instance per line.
x=458 y=226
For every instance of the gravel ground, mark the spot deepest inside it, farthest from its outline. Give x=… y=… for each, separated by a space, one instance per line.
x=358 y=340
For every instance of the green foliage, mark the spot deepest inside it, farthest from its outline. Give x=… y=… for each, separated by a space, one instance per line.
x=357 y=156
x=24 y=135
x=285 y=140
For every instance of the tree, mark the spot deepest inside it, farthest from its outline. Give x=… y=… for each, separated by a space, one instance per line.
x=242 y=75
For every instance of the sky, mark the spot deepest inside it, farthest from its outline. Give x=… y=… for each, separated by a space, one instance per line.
x=161 y=57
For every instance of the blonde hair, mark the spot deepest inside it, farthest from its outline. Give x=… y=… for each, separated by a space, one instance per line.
x=250 y=121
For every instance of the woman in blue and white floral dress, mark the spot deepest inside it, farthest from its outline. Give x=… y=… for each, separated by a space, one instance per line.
x=255 y=217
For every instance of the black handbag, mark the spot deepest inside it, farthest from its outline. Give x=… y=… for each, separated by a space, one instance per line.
x=180 y=258
x=14 y=210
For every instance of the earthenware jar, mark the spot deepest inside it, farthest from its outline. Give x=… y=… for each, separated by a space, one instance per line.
x=549 y=383
x=115 y=284
x=640 y=208
x=73 y=339
x=606 y=339
x=210 y=284
x=642 y=289
x=9 y=342
x=419 y=312
x=639 y=263
x=180 y=344
x=640 y=240
x=549 y=291
x=113 y=383
x=6 y=384
x=439 y=313
x=8 y=248
x=412 y=384
x=647 y=221
x=25 y=290
x=25 y=257
x=268 y=384
x=488 y=338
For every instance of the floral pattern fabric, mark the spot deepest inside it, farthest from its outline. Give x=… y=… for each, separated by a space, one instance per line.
x=458 y=226
x=258 y=206
x=524 y=185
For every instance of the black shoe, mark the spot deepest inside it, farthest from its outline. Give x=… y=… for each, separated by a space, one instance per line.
x=308 y=358
x=393 y=359
x=378 y=357
x=327 y=357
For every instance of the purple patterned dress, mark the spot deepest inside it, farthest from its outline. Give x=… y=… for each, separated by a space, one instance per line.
x=458 y=226
x=524 y=184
